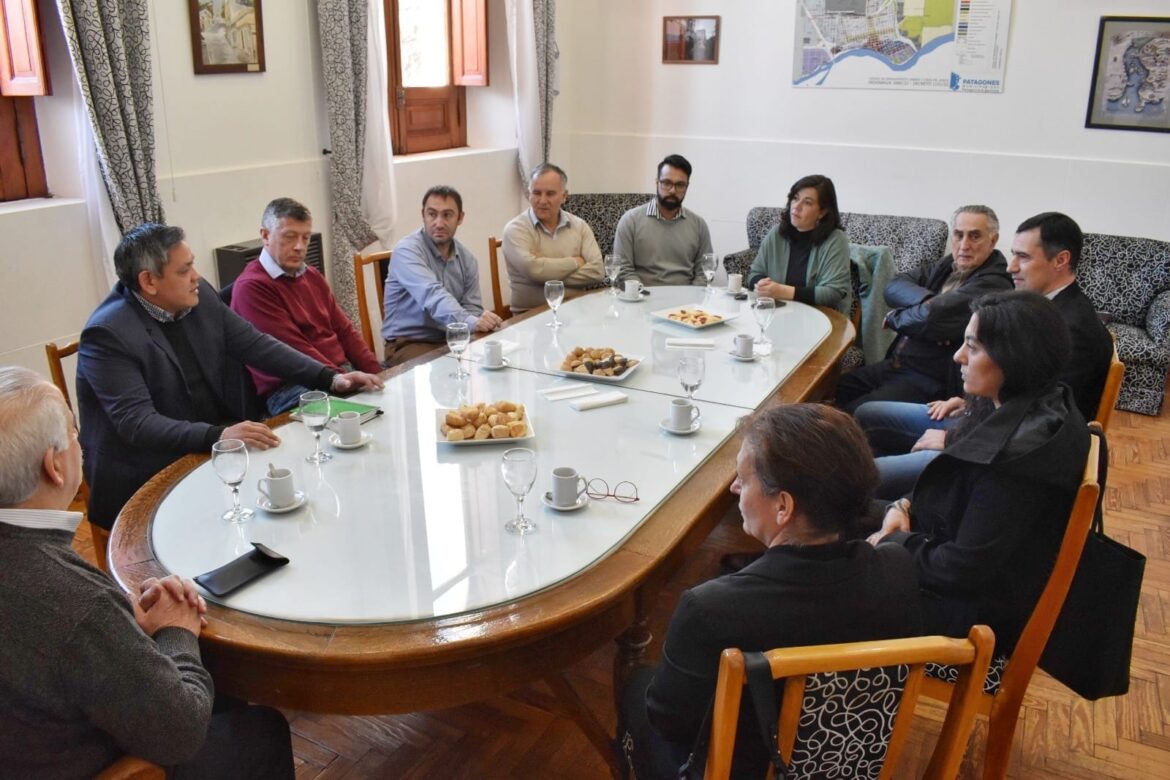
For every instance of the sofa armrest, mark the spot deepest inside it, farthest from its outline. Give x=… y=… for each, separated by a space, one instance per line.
x=739 y=262
x=1158 y=318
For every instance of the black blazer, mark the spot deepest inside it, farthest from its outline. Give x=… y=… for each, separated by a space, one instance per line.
x=133 y=399
x=792 y=596
x=988 y=515
x=1092 y=349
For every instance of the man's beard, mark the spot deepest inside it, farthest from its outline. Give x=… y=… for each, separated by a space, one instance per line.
x=669 y=202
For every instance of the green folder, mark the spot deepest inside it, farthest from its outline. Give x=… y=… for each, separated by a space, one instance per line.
x=337 y=405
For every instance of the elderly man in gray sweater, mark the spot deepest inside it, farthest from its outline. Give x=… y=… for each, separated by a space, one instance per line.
x=89 y=674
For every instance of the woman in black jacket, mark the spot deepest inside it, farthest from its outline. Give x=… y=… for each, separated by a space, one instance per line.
x=804 y=476
x=987 y=516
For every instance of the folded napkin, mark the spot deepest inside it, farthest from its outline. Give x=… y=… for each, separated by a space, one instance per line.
x=690 y=344
x=598 y=401
x=565 y=393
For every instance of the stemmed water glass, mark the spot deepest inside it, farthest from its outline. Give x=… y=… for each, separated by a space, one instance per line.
x=458 y=337
x=709 y=263
x=519 y=469
x=612 y=265
x=229 y=458
x=554 y=293
x=314 y=412
x=764 y=308
x=691 y=370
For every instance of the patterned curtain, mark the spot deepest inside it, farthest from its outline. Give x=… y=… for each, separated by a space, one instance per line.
x=544 y=16
x=533 y=54
x=109 y=43
x=343 y=26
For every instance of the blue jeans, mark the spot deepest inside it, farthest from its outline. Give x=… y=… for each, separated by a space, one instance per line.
x=284 y=398
x=892 y=428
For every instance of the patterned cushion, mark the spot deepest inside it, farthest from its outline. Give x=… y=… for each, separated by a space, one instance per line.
x=845 y=722
x=990 y=683
x=1146 y=365
x=1123 y=274
x=602 y=210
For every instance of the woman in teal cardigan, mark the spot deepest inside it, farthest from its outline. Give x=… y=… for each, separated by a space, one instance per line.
x=806 y=256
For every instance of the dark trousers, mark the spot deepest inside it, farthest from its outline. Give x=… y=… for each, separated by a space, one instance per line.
x=398 y=351
x=647 y=752
x=885 y=382
x=243 y=741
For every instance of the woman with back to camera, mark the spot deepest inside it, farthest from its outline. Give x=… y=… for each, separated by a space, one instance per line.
x=805 y=257
x=804 y=477
x=987 y=516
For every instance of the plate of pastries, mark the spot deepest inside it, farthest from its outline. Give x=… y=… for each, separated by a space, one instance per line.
x=499 y=422
x=605 y=364
x=694 y=317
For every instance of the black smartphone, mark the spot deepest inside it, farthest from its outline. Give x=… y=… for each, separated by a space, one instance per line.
x=741 y=296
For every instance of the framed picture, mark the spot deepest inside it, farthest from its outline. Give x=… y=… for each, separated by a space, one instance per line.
x=1131 y=75
x=227 y=36
x=690 y=40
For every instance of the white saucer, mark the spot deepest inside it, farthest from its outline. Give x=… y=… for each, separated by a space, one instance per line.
x=299 y=502
x=754 y=357
x=546 y=499
x=335 y=440
x=664 y=424
x=504 y=364
x=726 y=291
x=636 y=299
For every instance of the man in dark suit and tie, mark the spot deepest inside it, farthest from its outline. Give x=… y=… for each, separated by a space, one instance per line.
x=160 y=370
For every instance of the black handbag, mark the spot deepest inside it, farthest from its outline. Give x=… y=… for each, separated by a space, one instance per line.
x=1091 y=644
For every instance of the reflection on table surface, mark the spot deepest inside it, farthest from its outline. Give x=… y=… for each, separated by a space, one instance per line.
x=410 y=528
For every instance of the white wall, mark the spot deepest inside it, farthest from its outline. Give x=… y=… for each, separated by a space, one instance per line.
x=750 y=134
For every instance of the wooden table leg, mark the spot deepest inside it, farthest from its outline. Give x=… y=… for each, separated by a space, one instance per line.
x=576 y=709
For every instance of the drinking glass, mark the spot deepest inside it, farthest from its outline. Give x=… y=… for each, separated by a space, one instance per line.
x=691 y=369
x=229 y=458
x=314 y=412
x=458 y=337
x=764 y=308
x=519 y=469
x=613 y=263
x=554 y=293
x=709 y=264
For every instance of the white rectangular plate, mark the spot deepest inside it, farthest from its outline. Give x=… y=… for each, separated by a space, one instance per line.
x=610 y=379
x=441 y=417
x=664 y=314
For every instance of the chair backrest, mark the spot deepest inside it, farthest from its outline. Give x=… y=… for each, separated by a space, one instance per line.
x=502 y=310
x=1110 y=392
x=225 y=293
x=360 y=262
x=131 y=768
x=602 y=210
x=877 y=683
x=55 y=354
x=1122 y=274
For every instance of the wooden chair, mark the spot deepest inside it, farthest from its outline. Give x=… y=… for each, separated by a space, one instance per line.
x=1110 y=392
x=808 y=673
x=1001 y=702
x=131 y=768
x=360 y=262
x=502 y=310
x=99 y=537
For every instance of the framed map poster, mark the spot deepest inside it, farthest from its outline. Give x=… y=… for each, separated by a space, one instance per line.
x=1131 y=75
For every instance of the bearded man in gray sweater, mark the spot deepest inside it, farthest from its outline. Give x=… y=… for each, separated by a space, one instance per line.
x=90 y=675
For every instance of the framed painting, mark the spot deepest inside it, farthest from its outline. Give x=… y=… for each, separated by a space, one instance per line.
x=690 y=40
x=227 y=36
x=1131 y=75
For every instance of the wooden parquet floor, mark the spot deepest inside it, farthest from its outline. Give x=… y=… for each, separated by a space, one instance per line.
x=1059 y=735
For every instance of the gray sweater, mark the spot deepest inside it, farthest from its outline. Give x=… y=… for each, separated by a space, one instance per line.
x=80 y=683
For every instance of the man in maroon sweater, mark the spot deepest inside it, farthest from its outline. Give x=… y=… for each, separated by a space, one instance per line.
x=289 y=300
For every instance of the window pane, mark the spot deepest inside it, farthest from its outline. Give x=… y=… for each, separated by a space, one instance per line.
x=422 y=26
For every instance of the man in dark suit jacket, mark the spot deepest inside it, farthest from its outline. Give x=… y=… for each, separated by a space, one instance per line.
x=160 y=370
x=930 y=309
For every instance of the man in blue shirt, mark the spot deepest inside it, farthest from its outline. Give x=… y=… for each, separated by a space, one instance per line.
x=433 y=281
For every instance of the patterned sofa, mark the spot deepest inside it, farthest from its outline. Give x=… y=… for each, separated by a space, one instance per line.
x=602 y=210
x=1129 y=280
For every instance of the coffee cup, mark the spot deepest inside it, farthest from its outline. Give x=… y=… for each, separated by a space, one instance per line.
x=493 y=353
x=277 y=487
x=633 y=288
x=734 y=283
x=567 y=487
x=347 y=425
x=743 y=345
x=683 y=414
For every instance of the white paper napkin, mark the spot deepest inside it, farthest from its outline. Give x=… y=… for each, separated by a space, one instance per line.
x=598 y=401
x=690 y=344
x=565 y=393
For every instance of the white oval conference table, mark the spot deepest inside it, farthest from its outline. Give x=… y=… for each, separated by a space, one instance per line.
x=403 y=591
